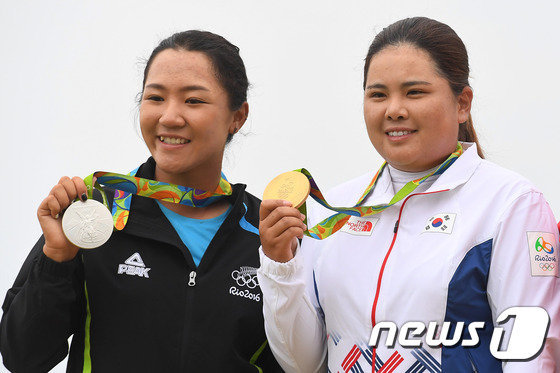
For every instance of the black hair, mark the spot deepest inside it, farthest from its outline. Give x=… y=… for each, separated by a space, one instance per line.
x=226 y=61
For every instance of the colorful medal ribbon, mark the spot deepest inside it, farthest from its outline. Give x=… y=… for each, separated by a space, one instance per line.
x=333 y=223
x=127 y=185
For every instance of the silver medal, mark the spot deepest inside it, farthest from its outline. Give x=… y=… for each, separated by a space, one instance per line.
x=87 y=224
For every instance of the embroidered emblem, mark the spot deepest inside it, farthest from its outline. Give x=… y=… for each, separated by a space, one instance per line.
x=245 y=276
x=359 y=226
x=441 y=223
x=134 y=266
x=543 y=254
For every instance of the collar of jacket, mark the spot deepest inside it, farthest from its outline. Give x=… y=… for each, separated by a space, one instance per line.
x=460 y=171
x=148 y=221
x=458 y=174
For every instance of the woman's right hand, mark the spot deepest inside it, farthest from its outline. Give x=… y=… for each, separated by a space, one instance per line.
x=57 y=247
x=279 y=227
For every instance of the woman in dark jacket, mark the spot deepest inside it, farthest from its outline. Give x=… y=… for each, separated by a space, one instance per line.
x=174 y=288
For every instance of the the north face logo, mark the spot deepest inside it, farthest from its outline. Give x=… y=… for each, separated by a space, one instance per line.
x=134 y=266
x=359 y=226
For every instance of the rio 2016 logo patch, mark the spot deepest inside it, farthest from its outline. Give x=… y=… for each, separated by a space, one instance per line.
x=245 y=277
x=543 y=253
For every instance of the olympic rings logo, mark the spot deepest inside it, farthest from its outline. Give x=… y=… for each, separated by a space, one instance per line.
x=541 y=244
x=246 y=276
x=547 y=266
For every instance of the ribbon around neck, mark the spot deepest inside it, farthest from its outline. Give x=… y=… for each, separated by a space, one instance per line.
x=334 y=222
x=127 y=185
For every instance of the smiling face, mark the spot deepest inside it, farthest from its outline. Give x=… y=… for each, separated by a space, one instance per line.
x=185 y=117
x=411 y=113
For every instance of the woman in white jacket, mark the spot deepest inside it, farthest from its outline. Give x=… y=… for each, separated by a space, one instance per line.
x=469 y=242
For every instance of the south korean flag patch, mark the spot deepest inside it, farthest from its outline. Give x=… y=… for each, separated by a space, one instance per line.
x=440 y=223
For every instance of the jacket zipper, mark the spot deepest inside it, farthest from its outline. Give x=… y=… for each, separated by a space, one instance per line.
x=189 y=305
x=380 y=277
x=192 y=278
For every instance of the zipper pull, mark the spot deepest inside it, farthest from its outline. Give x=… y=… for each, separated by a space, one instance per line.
x=192 y=277
x=396 y=227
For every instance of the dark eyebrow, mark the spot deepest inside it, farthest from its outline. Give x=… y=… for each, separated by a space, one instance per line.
x=415 y=82
x=377 y=85
x=404 y=85
x=182 y=89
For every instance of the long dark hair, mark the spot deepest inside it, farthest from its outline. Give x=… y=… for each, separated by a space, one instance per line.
x=444 y=47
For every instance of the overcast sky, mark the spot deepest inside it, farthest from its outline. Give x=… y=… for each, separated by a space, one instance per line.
x=70 y=72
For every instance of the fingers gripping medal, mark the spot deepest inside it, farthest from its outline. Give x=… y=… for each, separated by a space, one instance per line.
x=290 y=186
x=87 y=224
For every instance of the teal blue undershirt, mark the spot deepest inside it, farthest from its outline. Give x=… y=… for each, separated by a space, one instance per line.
x=196 y=234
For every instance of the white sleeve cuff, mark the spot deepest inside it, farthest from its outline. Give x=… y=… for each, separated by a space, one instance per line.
x=277 y=270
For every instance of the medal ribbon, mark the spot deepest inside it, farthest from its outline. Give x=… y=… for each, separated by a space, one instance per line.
x=127 y=185
x=334 y=222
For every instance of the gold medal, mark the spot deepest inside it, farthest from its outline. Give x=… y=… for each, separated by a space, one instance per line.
x=290 y=186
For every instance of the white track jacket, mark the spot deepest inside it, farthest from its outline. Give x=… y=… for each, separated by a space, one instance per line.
x=465 y=249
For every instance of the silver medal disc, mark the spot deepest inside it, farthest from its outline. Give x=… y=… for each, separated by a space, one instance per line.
x=87 y=224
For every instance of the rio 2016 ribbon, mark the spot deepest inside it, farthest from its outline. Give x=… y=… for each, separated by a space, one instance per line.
x=127 y=185
x=333 y=223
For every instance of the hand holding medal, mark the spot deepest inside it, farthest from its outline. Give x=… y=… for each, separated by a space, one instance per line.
x=57 y=246
x=280 y=220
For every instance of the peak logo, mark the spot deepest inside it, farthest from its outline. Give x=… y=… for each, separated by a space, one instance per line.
x=527 y=335
x=359 y=226
x=134 y=266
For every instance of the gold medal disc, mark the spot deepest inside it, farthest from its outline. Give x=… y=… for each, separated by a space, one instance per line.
x=290 y=186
